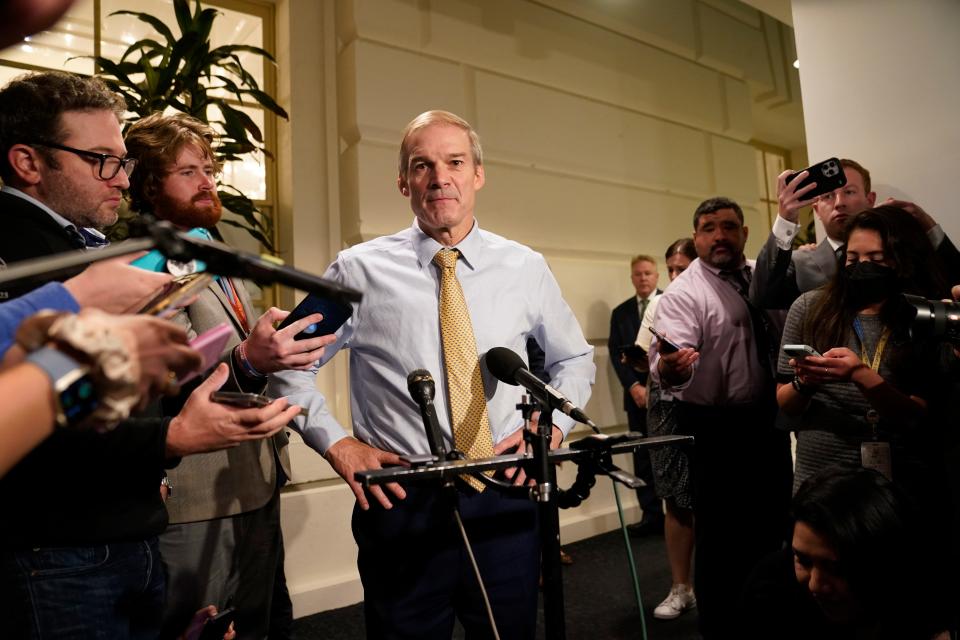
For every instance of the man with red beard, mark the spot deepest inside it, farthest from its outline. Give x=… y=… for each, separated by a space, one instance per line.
x=224 y=544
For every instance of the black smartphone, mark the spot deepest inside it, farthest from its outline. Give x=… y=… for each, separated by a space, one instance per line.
x=217 y=626
x=633 y=352
x=664 y=346
x=238 y=399
x=828 y=175
x=335 y=313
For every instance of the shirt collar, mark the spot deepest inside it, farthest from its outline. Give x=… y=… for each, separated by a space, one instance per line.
x=834 y=244
x=470 y=247
x=60 y=220
x=716 y=271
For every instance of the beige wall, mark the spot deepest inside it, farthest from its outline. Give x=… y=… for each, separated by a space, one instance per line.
x=603 y=125
x=894 y=103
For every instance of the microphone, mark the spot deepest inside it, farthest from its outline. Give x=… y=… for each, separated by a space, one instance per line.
x=422 y=389
x=507 y=366
x=221 y=260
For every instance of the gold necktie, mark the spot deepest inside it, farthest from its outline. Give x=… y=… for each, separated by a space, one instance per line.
x=468 y=404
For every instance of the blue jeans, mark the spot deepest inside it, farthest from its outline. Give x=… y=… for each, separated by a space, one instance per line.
x=106 y=591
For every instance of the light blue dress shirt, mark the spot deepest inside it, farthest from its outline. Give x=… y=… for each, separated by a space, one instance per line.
x=511 y=295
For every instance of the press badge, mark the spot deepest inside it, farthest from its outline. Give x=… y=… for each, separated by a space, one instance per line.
x=876 y=455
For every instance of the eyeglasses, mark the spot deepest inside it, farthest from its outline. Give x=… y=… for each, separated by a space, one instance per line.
x=110 y=165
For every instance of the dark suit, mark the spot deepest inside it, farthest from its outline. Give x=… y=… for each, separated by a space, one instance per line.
x=781 y=275
x=624 y=326
x=224 y=541
x=76 y=492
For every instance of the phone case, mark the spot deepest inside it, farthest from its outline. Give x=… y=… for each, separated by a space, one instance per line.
x=828 y=175
x=210 y=344
x=335 y=314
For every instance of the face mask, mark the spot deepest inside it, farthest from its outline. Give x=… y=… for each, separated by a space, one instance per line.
x=870 y=282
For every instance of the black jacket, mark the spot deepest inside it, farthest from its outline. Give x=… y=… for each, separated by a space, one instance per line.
x=77 y=489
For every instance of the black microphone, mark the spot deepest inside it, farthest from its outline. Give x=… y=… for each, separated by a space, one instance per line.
x=422 y=389
x=507 y=366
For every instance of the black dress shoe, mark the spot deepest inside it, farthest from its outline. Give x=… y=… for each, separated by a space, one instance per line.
x=645 y=528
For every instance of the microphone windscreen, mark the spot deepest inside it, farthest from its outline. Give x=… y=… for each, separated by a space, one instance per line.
x=504 y=364
x=418 y=378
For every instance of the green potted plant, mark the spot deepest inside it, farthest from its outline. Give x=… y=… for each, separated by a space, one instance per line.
x=186 y=74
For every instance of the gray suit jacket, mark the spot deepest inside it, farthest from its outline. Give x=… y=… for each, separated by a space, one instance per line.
x=781 y=275
x=232 y=481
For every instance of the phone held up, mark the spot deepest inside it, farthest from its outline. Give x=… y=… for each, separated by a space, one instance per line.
x=828 y=175
x=210 y=344
x=664 y=346
x=335 y=314
x=244 y=400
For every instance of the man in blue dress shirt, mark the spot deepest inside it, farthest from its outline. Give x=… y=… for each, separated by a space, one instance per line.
x=415 y=573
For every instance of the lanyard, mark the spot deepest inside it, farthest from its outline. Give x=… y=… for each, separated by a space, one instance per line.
x=227 y=285
x=878 y=352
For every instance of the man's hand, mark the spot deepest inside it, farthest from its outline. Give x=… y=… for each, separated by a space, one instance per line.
x=514 y=443
x=203 y=425
x=810 y=246
x=790 y=198
x=639 y=394
x=115 y=286
x=677 y=367
x=270 y=350
x=349 y=455
x=924 y=218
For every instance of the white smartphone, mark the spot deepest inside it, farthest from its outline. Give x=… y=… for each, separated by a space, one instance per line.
x=799 y=350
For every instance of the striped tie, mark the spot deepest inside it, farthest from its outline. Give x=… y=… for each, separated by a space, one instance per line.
x=468 y=404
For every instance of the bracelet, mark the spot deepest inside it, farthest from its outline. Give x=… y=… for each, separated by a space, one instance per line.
x=801 y=388
x=245 y=365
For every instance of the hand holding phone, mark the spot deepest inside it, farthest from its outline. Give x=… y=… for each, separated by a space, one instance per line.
x=178 y=293
x=335 y=314
x=664 y=346
x=828 y=176
x=210 y=344
x=218 y=626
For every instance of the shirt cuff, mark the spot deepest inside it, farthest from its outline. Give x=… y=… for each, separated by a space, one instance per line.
x=936 y=235
x=784 y=231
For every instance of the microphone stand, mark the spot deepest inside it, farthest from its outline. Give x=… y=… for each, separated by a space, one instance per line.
x=591 y=454
x=544 y=493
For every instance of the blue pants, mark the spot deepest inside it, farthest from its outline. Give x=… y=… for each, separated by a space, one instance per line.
x=417 y=576
x=112 y=591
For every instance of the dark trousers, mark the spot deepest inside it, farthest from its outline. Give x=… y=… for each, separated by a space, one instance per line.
x=646 y=496
x=229 y=561
x=417 y=576
x=742 y=476
x=105 y=591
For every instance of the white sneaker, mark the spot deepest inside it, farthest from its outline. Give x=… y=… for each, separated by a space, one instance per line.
x=679 y=599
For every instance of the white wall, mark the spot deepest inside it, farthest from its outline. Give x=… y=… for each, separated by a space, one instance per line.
x=881 y=85
x=603 y=124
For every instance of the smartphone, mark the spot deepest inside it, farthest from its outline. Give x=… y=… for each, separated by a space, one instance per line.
x=245 y=400
x=217 y=626
x=799 y=350
x=335 y=313
x=210 y=344
x=828 y=175
x=177 y=294
x=242 y=400
x=664 y=346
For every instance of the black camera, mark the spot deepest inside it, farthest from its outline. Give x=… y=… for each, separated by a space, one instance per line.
x=935 y=319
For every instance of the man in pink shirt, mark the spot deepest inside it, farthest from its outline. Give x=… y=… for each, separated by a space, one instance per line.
x=723 y=382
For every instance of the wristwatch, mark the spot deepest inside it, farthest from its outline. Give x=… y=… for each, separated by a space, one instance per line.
x=803 y=389
x=72 y=385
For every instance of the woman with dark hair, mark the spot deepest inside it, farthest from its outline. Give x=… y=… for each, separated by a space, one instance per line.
x=858 y=567
x=863 y=402
x=671 y=474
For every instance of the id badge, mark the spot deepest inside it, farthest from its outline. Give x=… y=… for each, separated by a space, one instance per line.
x=876 y=455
